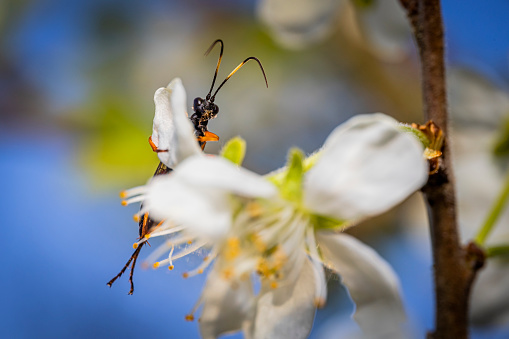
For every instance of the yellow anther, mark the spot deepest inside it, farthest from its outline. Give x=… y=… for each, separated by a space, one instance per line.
x=185 y=275
x=273 y=285
x=206 y=258
x=147 y=236
x=232 y=248
x=200 y=271
x=124 y=203
x=189 y=317
x=258 y=242
x=136 y=218
x=254 y=209
x=171 y=267
x=431 y=153
x=189 y=242
x=263 y=267
x=123 y=194
x=228 y=273
x=280 y=259
x=155 y=265
x=135 y=245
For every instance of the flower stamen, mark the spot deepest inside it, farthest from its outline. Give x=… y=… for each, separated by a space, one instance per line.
x=158 y=252
x=184 y=252
x=202 y=266
x=171 y=230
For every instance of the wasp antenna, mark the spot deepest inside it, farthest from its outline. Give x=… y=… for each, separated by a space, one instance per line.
x=218 y=62
x=236 y=69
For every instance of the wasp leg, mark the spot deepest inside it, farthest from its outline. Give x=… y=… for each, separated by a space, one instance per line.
x=134 y=256
x=154 y=147
x=209 y=136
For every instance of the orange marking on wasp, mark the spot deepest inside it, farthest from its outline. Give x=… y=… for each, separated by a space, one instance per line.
x=144 y=227
x=209 y=136
x=154 y=147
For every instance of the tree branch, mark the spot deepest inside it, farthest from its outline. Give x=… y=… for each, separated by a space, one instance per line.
x=455 y=267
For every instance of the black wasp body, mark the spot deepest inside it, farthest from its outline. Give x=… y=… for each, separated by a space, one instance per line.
x=204 y=111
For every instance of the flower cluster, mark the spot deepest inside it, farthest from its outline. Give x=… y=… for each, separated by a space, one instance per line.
x=279 y=230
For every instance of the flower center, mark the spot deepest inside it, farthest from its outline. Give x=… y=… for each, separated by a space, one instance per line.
x=268 y=238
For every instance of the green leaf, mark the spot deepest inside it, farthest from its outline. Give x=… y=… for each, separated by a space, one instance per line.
x=322 y=222
x=416 y=133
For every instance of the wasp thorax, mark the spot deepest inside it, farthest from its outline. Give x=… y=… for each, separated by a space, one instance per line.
x=205 y=109
x=211 y=111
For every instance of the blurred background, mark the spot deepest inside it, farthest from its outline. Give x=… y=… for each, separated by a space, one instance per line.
x=77 y=80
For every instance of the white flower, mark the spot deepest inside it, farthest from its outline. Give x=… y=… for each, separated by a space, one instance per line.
x=281 y=229
x=298 y=23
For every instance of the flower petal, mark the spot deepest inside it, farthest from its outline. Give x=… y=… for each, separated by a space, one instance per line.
x=366 y=167
x=227 y=305
x=287 y=311
x=296 y=23
x=172 y=131
x=205 y=212
x=197 y=194
x=218 y=173
x=371 y=283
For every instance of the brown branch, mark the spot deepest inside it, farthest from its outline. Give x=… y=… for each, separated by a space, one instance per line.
x=455 y=267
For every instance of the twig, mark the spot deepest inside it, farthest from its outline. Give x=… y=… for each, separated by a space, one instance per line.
x=455 y=267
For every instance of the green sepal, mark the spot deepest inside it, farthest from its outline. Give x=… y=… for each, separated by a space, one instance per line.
x=311 y=160
x=278 y=176
x=291 y=184
x=423 y=139
x=234 y=150
x=322 y=222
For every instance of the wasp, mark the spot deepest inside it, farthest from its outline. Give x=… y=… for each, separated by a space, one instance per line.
x=204 y=111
